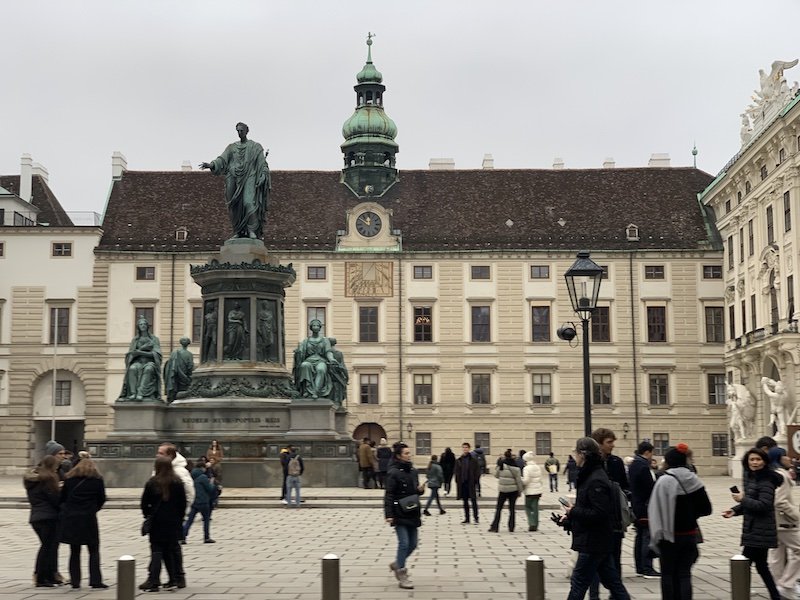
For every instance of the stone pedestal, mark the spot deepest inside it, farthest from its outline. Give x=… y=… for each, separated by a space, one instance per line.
x=735 y=462
x=140 y=420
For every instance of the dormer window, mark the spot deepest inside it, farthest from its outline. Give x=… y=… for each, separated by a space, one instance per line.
x=181 y=234
x=632 y=233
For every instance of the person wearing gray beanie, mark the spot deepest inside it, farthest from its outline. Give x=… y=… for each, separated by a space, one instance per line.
x=52 y=448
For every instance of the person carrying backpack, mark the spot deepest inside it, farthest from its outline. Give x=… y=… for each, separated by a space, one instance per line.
x=294 y=469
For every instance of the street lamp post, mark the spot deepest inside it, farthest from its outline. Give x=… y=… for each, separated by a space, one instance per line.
x=583 y=284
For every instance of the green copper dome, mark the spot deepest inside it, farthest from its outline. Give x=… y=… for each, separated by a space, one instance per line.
x=369 y=121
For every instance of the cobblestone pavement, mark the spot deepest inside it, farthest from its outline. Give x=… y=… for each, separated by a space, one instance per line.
x=275 y=553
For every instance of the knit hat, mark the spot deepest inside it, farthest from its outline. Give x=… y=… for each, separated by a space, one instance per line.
x=775 y=454
x=52 y=447
x=676 y=456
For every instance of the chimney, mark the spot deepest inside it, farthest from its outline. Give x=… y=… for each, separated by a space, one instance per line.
x=442 y=164
x=609 y=163
x=25 y=176
x=558 y=163
x=41 y=171
x=488 y=161
x=118 y=165
x=186 y=165
x=659 y=160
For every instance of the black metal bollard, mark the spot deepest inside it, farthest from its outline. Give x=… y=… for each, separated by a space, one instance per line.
x=330 y=577
x=534 y=577
x=126 y=577
x=740 y=577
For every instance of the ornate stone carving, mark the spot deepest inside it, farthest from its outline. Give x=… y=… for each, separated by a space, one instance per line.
x=782 y=408
x=742 y=411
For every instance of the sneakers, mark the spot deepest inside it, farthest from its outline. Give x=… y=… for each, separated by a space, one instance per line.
x=209 y=541
x=465 y=521
x=99 y=586
x=650 y=574
x=149 y=584
x=426 y=512
x=442 y=511
x=284 y=501
x=404 y=581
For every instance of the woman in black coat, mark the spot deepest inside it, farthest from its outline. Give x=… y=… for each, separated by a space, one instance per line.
x=448 y=464
x=757 y=504
x=402 y=482
x=83 y=494
x=41 y=485
x=164 y=503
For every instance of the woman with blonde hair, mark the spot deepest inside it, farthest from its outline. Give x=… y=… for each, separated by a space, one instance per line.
x=41 y=485
x=83 y=494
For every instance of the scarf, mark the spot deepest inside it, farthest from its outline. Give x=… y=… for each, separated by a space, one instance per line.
x=677 y=481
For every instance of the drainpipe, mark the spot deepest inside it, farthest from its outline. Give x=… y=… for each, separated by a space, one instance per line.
x=172 y=307
x=400 y=339
x=633 y=352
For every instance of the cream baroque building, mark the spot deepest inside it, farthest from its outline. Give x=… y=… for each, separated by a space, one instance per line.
x=444 y=288
x=755 y=199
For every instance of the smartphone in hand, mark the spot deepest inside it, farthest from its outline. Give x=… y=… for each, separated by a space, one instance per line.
x=563 y=501
x=734 y=489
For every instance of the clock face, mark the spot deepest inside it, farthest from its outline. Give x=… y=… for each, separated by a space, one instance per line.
x=368 y=224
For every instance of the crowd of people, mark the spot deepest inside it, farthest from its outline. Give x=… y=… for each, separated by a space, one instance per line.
x=66 y=492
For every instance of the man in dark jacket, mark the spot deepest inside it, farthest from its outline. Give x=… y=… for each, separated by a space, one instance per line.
x=590 y=525
x=468 y=472
x=642 y=479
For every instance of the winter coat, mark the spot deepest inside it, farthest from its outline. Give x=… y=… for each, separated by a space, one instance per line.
x=589 y=518
x=167 y=514
x=642 y=480
x=786 y=514
x=44 y=500
x=364 y=456
x=384 y=455
x=616 y=471
x=448 y=462
x=532 y=476
x=204 y=491
x=758 y=507
x=179 y=467
x=509 y=479
x=435 y=476
x=401 y=480
x=473 y=474
x=552 y=462
x=480 y=456
x=571 y=470
x=81 y=498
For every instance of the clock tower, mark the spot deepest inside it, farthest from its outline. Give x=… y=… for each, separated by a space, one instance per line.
x=369 y=148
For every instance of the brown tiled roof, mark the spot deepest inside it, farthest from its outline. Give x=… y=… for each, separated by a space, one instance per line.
x=435 y=210
x=42 y=197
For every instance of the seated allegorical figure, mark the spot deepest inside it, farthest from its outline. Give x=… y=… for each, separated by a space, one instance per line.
x=311 y=364
x=142 y=366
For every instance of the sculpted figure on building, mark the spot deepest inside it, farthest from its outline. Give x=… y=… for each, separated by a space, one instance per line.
x=782 y=409
x=313 y=359
x=742 y=411
x=178 y=371
x=142 y=366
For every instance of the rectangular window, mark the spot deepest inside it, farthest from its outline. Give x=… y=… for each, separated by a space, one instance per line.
x=732 y=321
x=544 y=443
x=659 y=389
x=730 y=252
x=715 y=324
x=763 y=172
x=787 y=212
x=368 y=392
x=540 y=320
x=367 y=323
x=145 y=273
x=197 y=323
x=59 y=321
x=423 y=388
x=751 y=244
x=656 y=323
x=747 y=187
x=423 y=272
x=601 y=324
x=712 y=272
x=542 y=388
x=654 y=272
x=63 y=393
x=484 y=440
x=727 y=206
x=148 y=312
x=62 y=248
x=717 y=388
x=480 y=324
x=770 y=226
x=660 y=443
x=719 y=444
x=540 y=271
x=738 y=198
x=481 y=272
x=744 y=316
x=317 y=273
x=423 y=443
x=601 y=388
x=790 y=296
x=318 y=313
x=423 y=324
x=481 y=388
x=605 y=272
x=781 y=155
x=741 y=244
x=753 y=316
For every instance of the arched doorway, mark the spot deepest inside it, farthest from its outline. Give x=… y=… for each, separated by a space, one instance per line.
x=372 y=431
x=63 y=405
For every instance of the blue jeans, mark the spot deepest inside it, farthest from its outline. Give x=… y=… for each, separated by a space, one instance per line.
x=602 y=565
x=641 y=549
x=205 y=511
x=434 y=494
x=293 y=483
x=407 y=538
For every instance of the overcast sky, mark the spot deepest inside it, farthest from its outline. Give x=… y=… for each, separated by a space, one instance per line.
x=166 y=81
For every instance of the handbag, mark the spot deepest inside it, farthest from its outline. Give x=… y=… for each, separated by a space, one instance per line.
x=409 y=503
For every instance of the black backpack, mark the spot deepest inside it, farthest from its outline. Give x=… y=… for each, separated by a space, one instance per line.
x=621 y=514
